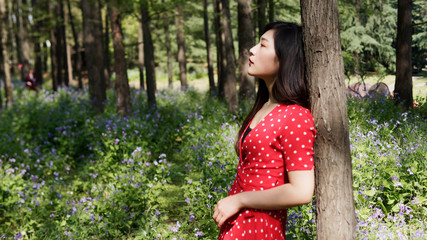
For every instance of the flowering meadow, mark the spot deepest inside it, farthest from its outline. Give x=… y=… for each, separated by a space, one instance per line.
x=69 y=173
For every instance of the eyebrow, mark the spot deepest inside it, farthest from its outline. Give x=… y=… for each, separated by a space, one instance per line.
x=264 y=39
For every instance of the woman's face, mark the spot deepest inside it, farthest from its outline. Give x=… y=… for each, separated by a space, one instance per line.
x=263 y=62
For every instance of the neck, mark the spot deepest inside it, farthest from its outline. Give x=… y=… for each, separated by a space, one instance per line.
x=271 y=99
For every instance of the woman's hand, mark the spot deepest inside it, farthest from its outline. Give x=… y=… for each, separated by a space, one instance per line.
x=226 y=208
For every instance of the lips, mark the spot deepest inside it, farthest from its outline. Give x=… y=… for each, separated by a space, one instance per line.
x=250 y=62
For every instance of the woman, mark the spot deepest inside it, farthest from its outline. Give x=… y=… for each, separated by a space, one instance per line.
x=275 y=142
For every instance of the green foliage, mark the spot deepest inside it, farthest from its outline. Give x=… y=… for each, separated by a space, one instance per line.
x=419 y=38
x=368 y=35
x=67 y=173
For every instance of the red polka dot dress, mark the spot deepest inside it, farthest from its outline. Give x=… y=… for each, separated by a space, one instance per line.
x=281 y=142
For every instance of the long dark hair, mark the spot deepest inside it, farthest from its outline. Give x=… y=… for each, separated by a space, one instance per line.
x=290 y=85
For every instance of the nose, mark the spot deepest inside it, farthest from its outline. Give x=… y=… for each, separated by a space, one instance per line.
x=252 y=51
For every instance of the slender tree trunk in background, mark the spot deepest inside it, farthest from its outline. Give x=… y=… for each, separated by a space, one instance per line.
x=5 y=56
x=64 y=49
x=246 y=36
x=78 y=58
x=12 y=38
x=168 y=48
x=1 y=97
x=121 y=84
x=403 y=85
x=94 y=54
x=59 y=45
x=107 y=55
x=208 y=48
x=53 y=50
x=168 y=53
x=141 y=56
x=69 y=66
x=148 y=55
x=180 y=38
x=45 y=57
x=335 y=213
x=261 y=18
x=219 y=47
x=271 y=11
x=38 y=63
x=23 y=41
x=230 y=70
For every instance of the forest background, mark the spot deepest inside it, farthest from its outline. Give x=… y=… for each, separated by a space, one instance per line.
x=72 y=168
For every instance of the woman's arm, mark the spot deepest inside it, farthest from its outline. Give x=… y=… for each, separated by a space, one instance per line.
x=298 y=191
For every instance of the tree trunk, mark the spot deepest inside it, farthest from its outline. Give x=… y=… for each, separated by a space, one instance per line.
x=403 y=85
x=208 y=48
x=78 y=58
x=69 y=64
x=12 y=38
x=230 y=68
x=246 y=36
x=148 y=55
x=180 y=38
x=5 y=56
x=325 y=74
x=219 y=47
x=141 y=56
x=168 y=49
x=23 y=41
x=107 y=55
x=45 y=56
x=261 y=16
x=271 y=11
x=59 y=45
x=65 y=49
x=121 y=83
x=53 y=51
x=94 y=54
x=38 y=63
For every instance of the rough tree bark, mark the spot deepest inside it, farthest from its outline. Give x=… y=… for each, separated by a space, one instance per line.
x=121 y=83
x=208 y=48
x=230 y=68
x=246 y=42
x=148 y=54
x=325 y=74
x=94 y=54
x=180 y=38
x=403 y=86
x=5 y=55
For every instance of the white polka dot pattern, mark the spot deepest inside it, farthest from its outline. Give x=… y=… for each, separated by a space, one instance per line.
x=268 y=152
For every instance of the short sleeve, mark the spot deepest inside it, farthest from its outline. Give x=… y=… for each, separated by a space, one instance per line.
x=297 y=138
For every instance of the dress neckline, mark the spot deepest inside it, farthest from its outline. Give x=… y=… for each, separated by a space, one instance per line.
x=271 y=111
